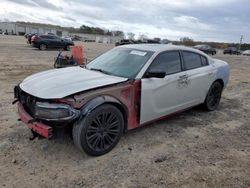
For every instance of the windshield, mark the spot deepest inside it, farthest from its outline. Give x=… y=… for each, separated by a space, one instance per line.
x=123 y=62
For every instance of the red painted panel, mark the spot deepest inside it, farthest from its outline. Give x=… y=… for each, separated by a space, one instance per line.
x=131 y=97
x=40 y=128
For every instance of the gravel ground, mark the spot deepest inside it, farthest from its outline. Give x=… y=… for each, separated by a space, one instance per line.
x=192 y=149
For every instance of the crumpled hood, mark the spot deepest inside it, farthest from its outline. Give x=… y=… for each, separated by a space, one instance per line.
x=59 y=83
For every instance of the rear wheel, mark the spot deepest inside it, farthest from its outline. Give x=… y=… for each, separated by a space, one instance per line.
x=99 y=131
x=42 y=47
x=213 y=96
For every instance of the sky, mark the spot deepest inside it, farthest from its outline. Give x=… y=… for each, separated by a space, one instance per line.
x=203 y=20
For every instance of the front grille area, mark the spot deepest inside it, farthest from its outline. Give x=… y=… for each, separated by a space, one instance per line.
x=28 y=101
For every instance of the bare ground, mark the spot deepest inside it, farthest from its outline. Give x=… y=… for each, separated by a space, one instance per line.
x=191 y=149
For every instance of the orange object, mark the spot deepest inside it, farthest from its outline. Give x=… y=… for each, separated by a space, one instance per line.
x=77 y=53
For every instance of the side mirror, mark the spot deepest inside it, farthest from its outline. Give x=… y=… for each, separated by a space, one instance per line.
x=155 y=74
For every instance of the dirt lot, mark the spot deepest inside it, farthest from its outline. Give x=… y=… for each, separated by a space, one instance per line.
x=192 y=149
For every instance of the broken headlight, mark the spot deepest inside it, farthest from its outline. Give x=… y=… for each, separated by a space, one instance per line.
x=55 y=112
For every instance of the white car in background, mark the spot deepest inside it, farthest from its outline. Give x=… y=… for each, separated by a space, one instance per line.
x=67 y=38
x=123 y=89
x=246 y=52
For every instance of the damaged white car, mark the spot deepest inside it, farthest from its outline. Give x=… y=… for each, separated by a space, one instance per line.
x=123 y=89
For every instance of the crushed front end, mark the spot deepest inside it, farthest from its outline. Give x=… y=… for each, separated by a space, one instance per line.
x=43 y=116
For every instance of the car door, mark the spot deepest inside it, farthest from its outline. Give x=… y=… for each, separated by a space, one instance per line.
x=62 y=42
x=200 y=76
x=56 y=41
x=163 y=96
x=49 y=40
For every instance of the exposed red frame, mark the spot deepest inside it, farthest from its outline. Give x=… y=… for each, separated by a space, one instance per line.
x=40 y=128
x=134 y=107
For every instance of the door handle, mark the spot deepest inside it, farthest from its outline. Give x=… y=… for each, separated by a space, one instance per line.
x=210 y=73
x=183 y=76
x=183 y=79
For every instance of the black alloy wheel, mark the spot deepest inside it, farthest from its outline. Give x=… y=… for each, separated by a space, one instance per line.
x=99 y=131
x=213 y=97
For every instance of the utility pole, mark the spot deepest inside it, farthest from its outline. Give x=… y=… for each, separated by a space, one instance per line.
x=241 y=38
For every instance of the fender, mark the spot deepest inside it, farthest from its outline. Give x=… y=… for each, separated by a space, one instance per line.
x=223 y=71
x=94 y=103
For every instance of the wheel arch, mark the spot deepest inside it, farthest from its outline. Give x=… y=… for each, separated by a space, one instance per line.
x=220 y=80
x=106 y=99
x=44 y=44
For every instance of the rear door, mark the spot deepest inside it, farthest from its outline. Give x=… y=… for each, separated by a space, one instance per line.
x=57 y=41
x=49 y=40
x=200 y=76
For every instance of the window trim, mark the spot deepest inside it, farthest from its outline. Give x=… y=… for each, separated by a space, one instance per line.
x=167 y=51
x=184 y=63
x=205 y=59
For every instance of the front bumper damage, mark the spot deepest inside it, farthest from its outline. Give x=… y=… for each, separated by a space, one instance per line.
x=38 y=127
x=43 y=117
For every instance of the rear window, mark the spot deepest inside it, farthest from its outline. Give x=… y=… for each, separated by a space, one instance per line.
x=204 y=61
x=192 y=60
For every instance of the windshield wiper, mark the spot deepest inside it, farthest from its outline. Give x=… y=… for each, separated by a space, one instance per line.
x=100 y=70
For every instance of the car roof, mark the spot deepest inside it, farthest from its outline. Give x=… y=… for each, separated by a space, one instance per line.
x=160 y=47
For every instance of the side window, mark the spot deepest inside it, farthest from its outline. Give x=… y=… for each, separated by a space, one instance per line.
x=52 y=37
x=204 y=61
x=55 y=37
x=48 y=37
x=44 y=37
x=168 y=62
x=192 y=60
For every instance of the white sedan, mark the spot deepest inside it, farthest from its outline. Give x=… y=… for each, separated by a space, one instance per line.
x=125 y=88
x=246 y=52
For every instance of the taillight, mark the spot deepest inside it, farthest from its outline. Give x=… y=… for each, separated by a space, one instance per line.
x=35 y=37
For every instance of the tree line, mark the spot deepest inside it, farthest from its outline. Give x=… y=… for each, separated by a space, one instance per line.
x=95 y=30
x=221 y=45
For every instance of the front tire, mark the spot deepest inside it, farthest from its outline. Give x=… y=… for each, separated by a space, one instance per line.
x=213 y=97
x=99 y=131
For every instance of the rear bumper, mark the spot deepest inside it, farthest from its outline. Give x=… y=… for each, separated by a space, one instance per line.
x=38 y=127
x=35 y=44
